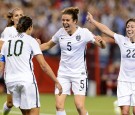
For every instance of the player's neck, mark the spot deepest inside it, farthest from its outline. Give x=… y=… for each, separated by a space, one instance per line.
x=72 y=31
x=132 y=40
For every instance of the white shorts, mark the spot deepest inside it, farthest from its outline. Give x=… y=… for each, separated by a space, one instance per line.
x=8 y=91
x=25 y=94
x=126 y=93
x=78 y=85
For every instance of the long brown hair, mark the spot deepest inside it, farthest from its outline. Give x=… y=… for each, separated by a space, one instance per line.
x=130 y=20
x=24 y=23
x=10 y=15
x=71 y=11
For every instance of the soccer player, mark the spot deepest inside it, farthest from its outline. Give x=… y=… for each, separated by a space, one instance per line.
x=126 y=78
x=20 y=79
x=10 y=31
x=72 y=69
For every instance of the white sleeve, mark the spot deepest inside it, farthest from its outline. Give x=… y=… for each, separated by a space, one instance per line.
x=118 y=37
x=89 y=37
x=4 y=34
x=35 y=47
x=55 y=37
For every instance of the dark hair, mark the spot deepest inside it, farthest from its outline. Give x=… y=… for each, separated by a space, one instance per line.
x=71 y=11
x=130 y=20
x=10 y=15
x=24 y=23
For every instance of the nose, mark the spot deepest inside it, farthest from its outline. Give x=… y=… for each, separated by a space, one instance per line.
x=129 y=28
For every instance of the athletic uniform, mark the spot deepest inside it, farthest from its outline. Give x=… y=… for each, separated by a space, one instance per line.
x=72 y=67
x=126 y=78
x=8 y=33
x=19 y=77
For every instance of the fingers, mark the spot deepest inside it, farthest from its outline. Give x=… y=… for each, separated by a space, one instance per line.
x=89 y=16
x=60 y=89
x=38 y=40
x=98 y=38
x=60 y=92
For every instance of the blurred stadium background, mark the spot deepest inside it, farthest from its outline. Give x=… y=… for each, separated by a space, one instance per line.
x=102 y=64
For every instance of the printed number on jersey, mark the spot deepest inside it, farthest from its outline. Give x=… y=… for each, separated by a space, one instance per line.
x=69 y=48
x=130 y=53
x=17 y=48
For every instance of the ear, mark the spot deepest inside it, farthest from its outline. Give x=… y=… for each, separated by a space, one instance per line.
x=30 y=27
x=75 y=21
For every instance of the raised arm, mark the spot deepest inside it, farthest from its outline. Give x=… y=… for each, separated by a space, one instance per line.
x=47 y=45
x=103 y=28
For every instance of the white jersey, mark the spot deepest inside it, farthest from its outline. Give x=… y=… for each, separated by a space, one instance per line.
x=127 y=67
x=73 y=48
x=8 y=33
x=18 y=53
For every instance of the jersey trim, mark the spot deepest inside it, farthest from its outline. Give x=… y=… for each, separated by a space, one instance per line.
x=34 y=80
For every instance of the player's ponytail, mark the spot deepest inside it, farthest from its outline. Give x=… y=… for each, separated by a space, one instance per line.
x=24 y=23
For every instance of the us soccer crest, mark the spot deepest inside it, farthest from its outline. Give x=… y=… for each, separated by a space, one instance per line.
x=78 y=37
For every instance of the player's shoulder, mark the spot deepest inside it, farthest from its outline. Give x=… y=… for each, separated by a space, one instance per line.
x=9 y=31
x=29 y=38
x=119 y=36
x=61 y=32
x=10 y=28
x=82 y=30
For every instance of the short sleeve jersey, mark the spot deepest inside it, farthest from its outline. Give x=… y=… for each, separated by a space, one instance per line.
x=8 y=33
x=127 y=68
x=73 y=49
x=18 y=53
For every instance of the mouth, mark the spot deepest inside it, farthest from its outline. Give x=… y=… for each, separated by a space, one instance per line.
x=66 y=26
x=130 y=32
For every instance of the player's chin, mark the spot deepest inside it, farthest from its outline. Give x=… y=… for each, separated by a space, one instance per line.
x=67 y=30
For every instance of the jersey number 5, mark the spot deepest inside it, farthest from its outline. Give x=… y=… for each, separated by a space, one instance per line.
x=17 y=48
x=69 y=48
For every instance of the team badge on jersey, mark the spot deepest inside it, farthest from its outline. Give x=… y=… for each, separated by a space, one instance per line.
x=78 y=37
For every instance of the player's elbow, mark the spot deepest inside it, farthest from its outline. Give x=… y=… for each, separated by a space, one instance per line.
x=43 y=67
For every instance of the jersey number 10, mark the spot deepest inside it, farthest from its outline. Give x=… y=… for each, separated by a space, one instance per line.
x=17 y=46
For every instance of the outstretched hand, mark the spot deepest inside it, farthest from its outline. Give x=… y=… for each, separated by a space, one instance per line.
x=89 y=17
x=59 y=87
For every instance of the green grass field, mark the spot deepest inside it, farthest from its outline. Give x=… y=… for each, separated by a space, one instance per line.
x=100 y=105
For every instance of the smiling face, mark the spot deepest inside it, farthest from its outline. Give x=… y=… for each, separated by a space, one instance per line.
x=17 y=14
x=68 y=23
x=130 y=29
